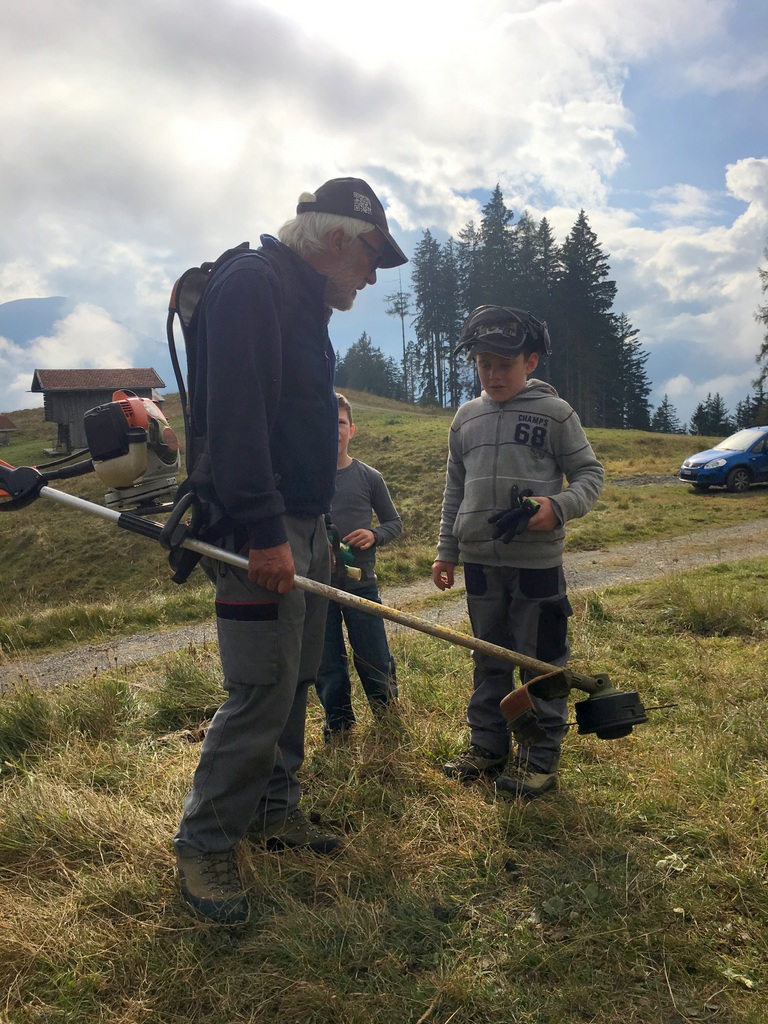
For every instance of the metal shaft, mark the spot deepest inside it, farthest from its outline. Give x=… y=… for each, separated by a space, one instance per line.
x=452 y=636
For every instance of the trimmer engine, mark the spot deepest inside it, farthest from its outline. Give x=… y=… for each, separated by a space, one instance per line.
x=134 y=451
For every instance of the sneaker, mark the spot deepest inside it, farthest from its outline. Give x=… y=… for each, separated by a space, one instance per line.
x=212 y=888
x=474 y=762
x=525 y=780
x=296 y=832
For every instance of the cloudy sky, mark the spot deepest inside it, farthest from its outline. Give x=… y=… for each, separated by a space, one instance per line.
x=141 y=138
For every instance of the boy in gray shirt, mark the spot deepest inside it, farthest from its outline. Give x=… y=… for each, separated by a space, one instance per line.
x=504 y=511
x=360 y=490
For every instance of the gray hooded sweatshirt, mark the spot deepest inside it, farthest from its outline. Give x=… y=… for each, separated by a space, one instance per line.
x=533 y=440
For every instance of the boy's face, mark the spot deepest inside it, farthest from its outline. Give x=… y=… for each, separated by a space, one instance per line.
x=503 y=377
x=346 y=432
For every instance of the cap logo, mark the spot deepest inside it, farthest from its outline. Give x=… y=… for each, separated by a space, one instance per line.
x=507 y=330
x=361 y=203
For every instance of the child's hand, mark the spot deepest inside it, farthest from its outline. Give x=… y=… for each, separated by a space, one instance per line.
x=442 y=575
x=546 y=518
x=362 y=539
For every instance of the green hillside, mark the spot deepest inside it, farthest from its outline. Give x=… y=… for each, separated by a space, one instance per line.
x=634 y=894
x=67 y=578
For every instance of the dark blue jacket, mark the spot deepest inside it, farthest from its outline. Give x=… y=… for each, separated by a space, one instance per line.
x=268 y=408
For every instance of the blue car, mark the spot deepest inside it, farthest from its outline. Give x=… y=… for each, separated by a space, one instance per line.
x=736 y=463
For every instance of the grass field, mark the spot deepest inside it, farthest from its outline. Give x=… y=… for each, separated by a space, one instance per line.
x=636 y=894
x=67 y=579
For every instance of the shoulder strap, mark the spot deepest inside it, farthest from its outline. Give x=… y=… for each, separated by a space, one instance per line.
x=186 y=301
x=184 y=304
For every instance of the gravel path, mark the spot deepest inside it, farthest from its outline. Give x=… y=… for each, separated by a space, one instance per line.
x=585 y=570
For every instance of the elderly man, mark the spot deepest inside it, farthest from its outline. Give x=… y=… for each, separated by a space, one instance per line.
x=265 y=408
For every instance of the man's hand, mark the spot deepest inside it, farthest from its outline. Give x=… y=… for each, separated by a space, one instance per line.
x=442 y=574
x=272 y=568
x=362 y=539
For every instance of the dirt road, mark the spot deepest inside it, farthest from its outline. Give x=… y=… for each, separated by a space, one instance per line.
x=585 y=570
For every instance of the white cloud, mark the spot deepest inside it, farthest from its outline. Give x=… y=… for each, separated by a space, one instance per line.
x=141 y=139
x=683 y=204
x=87 y=338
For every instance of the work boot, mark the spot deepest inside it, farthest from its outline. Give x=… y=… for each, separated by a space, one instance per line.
x=212 y=888
x=525 y=780
x=296 y=832
x=474 y=762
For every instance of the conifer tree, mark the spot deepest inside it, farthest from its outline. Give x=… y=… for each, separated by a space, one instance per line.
x=364 y=367
x=762 y=317
x=582 y=304
x=597 y=362
x=628 y=402
x=427 y=285
x=399 y=306
x=711 y=417
x=665 y=419
x=498 y=251
x=470 y=268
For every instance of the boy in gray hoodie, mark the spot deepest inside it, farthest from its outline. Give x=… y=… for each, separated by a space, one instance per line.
x=504 y=513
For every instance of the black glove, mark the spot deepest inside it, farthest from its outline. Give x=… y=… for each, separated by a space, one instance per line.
x=514 y=520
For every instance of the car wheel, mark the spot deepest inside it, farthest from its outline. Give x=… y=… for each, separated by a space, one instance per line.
x=738 y=480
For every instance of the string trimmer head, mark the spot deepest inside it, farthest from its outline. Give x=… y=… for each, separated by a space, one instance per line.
x=608 y=713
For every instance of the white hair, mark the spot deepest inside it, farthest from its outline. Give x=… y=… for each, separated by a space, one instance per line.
x=306 y=233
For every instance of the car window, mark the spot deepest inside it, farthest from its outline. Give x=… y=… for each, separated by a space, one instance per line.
x=738 y=442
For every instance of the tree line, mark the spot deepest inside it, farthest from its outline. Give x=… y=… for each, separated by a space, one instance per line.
x=597 y=362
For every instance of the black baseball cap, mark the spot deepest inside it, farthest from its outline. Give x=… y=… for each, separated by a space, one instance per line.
x=504 y=331
x=353 y=197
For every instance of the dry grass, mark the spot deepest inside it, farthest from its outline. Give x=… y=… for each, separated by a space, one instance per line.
x=67 y=579
x=637 y=894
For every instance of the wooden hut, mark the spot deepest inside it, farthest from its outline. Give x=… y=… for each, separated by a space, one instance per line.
x=7 y=426
x=69 y=394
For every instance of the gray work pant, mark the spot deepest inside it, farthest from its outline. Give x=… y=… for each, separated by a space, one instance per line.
x=270 y=647
x=524 y=610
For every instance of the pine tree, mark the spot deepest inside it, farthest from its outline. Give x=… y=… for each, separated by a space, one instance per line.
x=753 y=410
x=498 y=251
x=628 y=405
x=469 y=265
x=458 y=380
x=762 y=317
x=665 y=419
x=597 y=362
x=399 y=306
x=426 y=279
x=365 y=368
x=711 y=418
x=581 y=311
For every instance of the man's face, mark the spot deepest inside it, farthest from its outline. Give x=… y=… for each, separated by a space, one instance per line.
x=352 y=269
x=502 y=377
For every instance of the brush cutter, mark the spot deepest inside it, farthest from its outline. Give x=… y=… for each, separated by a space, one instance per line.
x=607 y=712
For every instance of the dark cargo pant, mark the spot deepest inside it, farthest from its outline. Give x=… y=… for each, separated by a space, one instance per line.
x=525 y=610
x=270 y=647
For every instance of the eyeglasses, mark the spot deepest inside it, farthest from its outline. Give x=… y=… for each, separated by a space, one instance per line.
x=377 y=256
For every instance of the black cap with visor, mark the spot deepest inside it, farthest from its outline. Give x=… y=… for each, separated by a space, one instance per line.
x=504 y=331
x=353 y=197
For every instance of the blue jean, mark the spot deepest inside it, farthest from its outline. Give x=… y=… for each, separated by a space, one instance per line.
x=372 y=659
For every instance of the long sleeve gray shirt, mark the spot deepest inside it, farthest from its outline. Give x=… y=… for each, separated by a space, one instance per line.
x=361 y=491
x=534 y=440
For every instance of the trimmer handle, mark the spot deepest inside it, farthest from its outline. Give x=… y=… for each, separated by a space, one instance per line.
x=19 y=487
